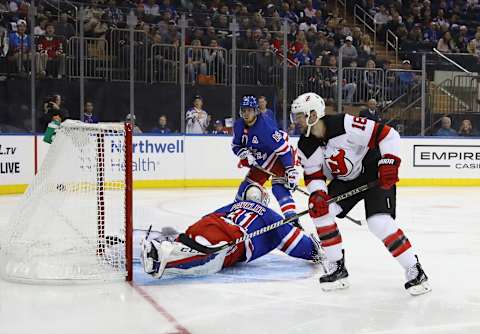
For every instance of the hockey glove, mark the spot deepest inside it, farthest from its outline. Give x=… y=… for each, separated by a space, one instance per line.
x=388 y=171
x=291 y=177
x=246 y=158
x=317 y=204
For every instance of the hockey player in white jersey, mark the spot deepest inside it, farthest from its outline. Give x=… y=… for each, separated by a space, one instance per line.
x=352 y=151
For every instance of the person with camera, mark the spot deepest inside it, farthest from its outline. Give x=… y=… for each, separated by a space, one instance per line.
x=52 y=105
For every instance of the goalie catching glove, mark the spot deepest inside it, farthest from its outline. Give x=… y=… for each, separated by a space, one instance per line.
x=291 y=178
x=246 y=158
x=388 y=171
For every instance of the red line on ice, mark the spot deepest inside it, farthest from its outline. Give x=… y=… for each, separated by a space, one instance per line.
x=160 y=309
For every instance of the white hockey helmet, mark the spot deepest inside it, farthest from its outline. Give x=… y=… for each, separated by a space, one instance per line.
x=305 y=104
x=256 y=193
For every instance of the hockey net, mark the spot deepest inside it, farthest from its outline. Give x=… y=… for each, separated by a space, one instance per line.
x=74 y=222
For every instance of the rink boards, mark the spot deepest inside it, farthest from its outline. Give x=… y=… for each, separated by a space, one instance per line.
x=207 y=161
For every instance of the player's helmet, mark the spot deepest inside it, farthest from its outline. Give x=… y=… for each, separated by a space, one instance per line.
x=305 y=104
x=248 y=101
x=256 y=193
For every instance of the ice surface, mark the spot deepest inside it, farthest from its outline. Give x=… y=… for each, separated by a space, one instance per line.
x=275 y=294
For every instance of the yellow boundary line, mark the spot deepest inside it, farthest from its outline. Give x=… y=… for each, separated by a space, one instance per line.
x=206 y=183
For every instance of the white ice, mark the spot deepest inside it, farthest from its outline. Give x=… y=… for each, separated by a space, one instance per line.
x=277 y=294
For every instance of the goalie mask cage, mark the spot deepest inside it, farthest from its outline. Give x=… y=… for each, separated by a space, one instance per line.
x=74 y=223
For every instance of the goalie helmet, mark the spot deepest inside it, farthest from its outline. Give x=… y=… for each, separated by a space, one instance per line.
x=250 y=102
x=256 y=193
x=305 y=104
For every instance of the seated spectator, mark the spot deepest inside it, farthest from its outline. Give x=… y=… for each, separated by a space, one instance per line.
x=358 y=36
x=331 y=82
x=197 y=119
x=64 y=28
x=264 y=63
x=151 y=8
x=474 y=46
x=20 y=51
x=162 y=126
x=215 y=60
x=466 y=129
x=88 y=116
x=307 y=25
x=115 y=15
x=262 y=108
x=349 y=52
x=218 y=128
x=3 y=53
x=432 y=34
x=370 y=111
x=366 y=47
x=372 y=80
x=447 y=44
x=136 y=128
x=39 y=30
x=195 y=61
x=462 y=39
x=446 y=128
x=309 y=11
x=304 y=57
x=406 y=79
x=51 y=53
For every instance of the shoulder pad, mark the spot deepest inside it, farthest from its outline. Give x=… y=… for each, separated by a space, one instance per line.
x=335 y=125
x=308 y=145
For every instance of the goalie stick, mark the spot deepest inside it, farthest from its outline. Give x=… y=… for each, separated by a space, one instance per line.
x=300 y=190
x=186 y=240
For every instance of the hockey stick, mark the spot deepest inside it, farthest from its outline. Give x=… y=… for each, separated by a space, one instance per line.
x=186 y=240
x=300 y=190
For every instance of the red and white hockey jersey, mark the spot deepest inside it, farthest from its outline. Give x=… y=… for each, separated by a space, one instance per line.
x=340 y=154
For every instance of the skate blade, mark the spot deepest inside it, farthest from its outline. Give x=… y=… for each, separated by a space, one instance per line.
x=337 y=285
x=420 y=289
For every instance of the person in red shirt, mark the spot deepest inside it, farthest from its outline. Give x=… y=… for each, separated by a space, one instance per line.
x=51 y=56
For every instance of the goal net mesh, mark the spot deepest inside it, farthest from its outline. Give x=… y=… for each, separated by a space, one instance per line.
x=70 y=225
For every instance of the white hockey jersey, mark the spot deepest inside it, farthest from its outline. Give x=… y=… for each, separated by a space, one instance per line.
x=340 y=154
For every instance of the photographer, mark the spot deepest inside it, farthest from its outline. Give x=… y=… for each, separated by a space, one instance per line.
x=52 y=105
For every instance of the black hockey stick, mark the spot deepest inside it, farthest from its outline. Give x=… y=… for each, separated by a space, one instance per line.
x=300 y=190
x=186 y=240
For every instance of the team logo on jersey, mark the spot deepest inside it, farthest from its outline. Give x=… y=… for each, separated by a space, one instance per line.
x=339 y=164
x=254 y=140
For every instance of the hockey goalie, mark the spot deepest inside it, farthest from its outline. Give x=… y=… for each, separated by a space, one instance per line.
x=166 y=256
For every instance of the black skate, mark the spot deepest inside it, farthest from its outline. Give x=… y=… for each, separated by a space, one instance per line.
x=336 y=276
x=417 y=280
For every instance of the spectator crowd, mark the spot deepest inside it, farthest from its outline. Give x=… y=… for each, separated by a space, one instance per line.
x=316 y=35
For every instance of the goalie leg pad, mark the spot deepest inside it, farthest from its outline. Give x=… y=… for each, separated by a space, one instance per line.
x=167 y=257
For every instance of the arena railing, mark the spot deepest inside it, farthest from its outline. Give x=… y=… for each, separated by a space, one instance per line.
x=391 y=42
x=118 y=51
x=96 y=58
x=164 y=63
x=369 y=84
x=366 y=21
x=206 y=65
x=258 y=67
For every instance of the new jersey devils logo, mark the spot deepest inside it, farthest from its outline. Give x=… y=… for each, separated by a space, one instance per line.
x=339 y=164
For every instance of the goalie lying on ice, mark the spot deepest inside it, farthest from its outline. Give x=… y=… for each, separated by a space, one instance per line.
x=161 y=256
